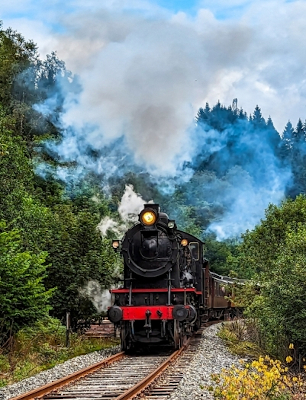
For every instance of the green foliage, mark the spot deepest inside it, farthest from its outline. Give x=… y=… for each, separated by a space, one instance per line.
x=281 y=305
x=219 y=254
x=236 y=336
x=274 y=253
x=260 y=247
x=78 y=254
x=23 y=297
x=16 y=55
x=52 y=229
x=14 y=165
x=44 y=330
x=41 y=346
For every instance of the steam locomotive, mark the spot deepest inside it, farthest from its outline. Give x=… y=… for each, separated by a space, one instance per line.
x=168 y=290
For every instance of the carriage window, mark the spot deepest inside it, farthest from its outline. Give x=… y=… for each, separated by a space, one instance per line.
x=194 y=248
x=219 y=289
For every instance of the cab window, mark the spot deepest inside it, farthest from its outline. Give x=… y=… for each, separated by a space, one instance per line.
x=194 y=249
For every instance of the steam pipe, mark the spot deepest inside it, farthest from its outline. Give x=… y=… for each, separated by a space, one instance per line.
x=169 y=287
x=130 y=291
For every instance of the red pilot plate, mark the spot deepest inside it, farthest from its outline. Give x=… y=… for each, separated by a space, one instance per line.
x=140 y=313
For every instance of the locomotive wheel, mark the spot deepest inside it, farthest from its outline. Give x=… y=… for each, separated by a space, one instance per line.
x=198 y=323
x=176 y=334
x=126 y=340
x=123 y=338
x=183 y=336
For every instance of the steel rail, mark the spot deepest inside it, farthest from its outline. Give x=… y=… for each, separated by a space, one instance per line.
x=49 y=387
x=144 y=383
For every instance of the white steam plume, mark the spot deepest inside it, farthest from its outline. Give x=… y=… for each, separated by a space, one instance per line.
x=129 y=208
x=143 y=76
x=142 y=80
x=145 y=73
x=101 y=298
x=246 y=201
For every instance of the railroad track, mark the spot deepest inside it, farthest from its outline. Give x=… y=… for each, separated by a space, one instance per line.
x=162 y=387
x=122 y=377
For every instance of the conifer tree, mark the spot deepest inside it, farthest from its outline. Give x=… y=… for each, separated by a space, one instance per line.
x=23 y=297
x=299 y=133
x=270 y=124
x=257 y=118
x=286 y=144
x=242 y=114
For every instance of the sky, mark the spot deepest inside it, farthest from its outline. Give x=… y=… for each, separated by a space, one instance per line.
x=199 y=51
x=144 y=67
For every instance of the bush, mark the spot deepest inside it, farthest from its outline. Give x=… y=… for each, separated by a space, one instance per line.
x=41 y=347
x=261 y=379
x=23 y=297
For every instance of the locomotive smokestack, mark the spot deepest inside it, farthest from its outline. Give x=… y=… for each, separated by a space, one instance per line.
x=153 y=206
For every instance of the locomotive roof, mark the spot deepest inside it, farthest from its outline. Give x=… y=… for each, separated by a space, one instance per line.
x=188 y=235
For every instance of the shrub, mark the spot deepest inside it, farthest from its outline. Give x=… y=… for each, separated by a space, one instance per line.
x=261 y=379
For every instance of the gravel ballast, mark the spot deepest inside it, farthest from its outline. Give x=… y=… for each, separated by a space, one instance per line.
x=55 y=373
x=211 y=357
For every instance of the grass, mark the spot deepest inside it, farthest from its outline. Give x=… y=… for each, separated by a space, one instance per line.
x=241 y=337
x=42 y=347
x=237 y=335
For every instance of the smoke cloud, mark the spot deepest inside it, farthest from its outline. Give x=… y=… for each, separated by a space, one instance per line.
x=101 y=298
x=142 y=79
x=142 y=73
x=244 y=201
x=129 y=208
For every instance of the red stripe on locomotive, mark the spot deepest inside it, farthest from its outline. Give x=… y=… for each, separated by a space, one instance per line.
x=139 y=313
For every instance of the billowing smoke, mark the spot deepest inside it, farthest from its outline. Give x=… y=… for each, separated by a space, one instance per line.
x=101 y=298
x=131 y=204
x=140 y=82
x=247 y=176
x=244 y=201
x=108 y=224
x=129 y=208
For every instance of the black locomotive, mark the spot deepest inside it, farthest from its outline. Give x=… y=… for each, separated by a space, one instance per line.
x=168 y=289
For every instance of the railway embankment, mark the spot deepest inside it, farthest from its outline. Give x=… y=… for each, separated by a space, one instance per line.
x=211 y=357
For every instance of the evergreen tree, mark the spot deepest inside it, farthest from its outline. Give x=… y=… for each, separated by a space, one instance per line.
x=203 y=115
x=272 y=136
x=242 y=114
x=23 y=297
x=288 y=134
x=257 y=119
x=298 y=161
x=78 y=255
x=16 y=55
x=299 y=133
x=286 y=144
x=270 y=124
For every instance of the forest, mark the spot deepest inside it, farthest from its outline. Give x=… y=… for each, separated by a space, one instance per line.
x=242 y=193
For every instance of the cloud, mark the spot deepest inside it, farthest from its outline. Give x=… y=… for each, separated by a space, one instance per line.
x=144 y=72
x=257 y=57
x=144 y=79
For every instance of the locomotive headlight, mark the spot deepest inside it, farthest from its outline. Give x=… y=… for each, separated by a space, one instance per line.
x=115 y=244
x=171 y=224
x=184 y=242
x=148 y=217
